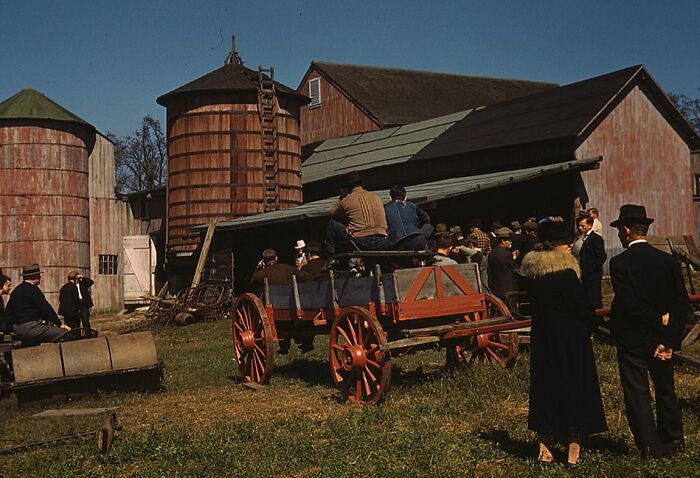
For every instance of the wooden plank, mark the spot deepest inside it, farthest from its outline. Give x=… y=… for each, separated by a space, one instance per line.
x=205 y=252
x=409 y=342
x=692 y=335
x=73 y=412
x=442 y=329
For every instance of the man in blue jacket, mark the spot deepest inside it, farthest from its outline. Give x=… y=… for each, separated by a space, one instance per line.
x=409 y=225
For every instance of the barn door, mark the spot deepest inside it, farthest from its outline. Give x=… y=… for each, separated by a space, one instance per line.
x=139 y=268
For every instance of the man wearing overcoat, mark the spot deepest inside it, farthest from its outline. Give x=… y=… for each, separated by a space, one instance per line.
x=591 y=258
x=75 y=300
x=648 y=318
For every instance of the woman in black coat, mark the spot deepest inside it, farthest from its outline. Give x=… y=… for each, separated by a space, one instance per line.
x=565 y=401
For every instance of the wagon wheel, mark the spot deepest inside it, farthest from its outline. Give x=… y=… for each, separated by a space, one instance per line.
x=360 y=370
x=252 y=339
x=499 y=348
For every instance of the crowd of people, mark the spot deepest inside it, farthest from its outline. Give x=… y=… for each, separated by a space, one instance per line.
x=561 y=273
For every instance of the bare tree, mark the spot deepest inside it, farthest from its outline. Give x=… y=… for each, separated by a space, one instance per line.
x=689 y=107
x=141 y=158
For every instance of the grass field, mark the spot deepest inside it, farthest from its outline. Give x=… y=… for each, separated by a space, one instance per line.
x=433 y=422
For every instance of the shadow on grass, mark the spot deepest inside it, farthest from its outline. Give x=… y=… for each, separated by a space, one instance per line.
x=514 y=447
x=529 y=449
x=311 y=371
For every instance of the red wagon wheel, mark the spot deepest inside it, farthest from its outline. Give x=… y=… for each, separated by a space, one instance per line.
x=252 y=339
x=499 y=348
x=360 y=370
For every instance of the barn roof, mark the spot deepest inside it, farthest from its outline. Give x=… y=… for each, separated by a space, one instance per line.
x=420 y=193
x=31 y=104
x=232 y=77
x=394 y=96
x=570 y=111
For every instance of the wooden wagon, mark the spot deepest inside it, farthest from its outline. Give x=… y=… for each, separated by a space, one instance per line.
x=371 y=319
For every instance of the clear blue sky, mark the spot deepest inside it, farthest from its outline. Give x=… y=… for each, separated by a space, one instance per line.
x=107 y=61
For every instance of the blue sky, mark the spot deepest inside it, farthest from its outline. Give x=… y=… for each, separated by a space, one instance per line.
x=107 y=61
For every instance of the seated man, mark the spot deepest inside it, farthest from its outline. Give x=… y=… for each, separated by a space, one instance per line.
x=409 y=225
x=315 y=266
x=363 y=219
x=276 y=273
x=32 y=317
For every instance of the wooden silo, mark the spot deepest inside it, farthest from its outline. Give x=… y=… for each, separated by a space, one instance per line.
x=234 y=149
x=44 y=186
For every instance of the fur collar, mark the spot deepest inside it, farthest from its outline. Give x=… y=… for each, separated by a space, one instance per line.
x=540 y=263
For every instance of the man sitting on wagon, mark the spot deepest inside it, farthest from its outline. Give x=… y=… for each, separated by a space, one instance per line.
x=409 y=225
x=358 y=218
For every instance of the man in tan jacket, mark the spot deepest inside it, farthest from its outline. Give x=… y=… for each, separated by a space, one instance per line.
x=358 y=218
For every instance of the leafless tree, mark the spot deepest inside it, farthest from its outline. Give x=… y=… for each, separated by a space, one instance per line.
x=141 y=158
x=690 y=107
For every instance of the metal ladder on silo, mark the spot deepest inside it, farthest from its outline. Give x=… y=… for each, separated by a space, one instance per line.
x=267 y=101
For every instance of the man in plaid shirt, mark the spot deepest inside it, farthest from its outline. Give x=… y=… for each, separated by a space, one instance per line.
x=483 y=241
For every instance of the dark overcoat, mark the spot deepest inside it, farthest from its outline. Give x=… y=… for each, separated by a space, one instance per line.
x=565 y=396
x=501 y=268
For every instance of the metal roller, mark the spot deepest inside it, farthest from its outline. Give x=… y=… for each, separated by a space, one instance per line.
x=86 y=356
x=132 y=350
x=37 y=363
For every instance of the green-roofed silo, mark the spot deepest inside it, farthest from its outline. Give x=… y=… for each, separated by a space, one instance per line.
x=44 y=186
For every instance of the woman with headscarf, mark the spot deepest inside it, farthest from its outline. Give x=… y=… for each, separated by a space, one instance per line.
x=565 y=400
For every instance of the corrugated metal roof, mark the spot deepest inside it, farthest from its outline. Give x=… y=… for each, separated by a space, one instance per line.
x=336 y=157
x=396 y=96
x=420 y=193
x=31 y=104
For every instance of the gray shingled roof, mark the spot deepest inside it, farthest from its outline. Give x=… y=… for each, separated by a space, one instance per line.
x=395 y=96
x=420 y=194
x=336 y=157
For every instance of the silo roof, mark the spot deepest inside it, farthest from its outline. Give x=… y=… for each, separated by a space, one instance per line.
x=31 y=104
x=231 y=77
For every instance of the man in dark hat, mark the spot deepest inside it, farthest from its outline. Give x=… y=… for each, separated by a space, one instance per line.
x=358 y=218
x=275 y=272
x=75 y=300
x=648 y=318
x=502 y=265
x=32 y=317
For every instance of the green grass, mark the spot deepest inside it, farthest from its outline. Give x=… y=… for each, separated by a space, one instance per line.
x=433 y=422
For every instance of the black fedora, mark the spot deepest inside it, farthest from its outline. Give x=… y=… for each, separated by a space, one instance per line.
x=632 y=214
x=554 y=231
x=31 y=271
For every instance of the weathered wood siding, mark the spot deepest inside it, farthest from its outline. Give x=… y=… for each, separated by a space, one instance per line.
x=44 y=209
x=109 y=221
x=215 y=167
x=644 y=162
x=337 y=116
x=695 y=161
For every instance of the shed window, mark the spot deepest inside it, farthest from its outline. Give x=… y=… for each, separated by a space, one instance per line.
x=697 y=186
x=107 y=264
x=315 y=92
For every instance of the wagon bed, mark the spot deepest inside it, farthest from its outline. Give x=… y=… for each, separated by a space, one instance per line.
x=371 y=319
